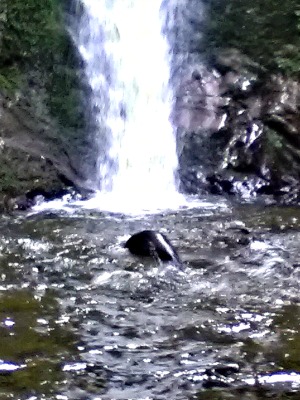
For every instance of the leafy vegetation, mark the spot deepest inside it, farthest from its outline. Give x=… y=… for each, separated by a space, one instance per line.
x=36 y=52
x=29 y=30
x=267 y=31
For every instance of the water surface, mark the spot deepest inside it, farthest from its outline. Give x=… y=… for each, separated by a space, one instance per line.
x=80 y=318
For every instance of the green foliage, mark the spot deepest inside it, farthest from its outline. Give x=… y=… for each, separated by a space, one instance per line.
x=29 y=30
x=8 y=180
x=267 y=31
x=36 y=54
x=10 y=79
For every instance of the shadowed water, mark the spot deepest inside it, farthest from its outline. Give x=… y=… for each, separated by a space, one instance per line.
x=80 y=318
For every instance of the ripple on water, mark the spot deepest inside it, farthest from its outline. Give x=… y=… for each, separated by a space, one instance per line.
x=144 y=329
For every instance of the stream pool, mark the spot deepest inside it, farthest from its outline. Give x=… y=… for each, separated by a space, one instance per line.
x=80 y=318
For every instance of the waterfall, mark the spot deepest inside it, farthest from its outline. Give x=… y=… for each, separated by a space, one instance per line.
x=127 y=66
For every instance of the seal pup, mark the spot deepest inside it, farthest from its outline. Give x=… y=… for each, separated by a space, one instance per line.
x=152 y=244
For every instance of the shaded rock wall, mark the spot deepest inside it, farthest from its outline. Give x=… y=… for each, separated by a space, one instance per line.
x=249 y=144
x=42 y=110
x=237 y=106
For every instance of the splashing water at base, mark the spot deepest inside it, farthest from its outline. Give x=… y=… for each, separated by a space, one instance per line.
x=127 y=60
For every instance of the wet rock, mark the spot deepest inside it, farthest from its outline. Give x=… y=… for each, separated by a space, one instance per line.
x=226 y=370
x=214 y=382
x=24 y=202
x=9 y=204
x=264 y=142
x=231 y=59
x=198 y=100
x=31 y=156
x=218 y=185
x=255 y=150
x=231 y=239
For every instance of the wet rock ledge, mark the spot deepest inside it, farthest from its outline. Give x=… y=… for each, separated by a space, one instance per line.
x=239 y=129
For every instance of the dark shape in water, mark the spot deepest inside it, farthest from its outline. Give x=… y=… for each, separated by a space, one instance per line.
x=153 y=244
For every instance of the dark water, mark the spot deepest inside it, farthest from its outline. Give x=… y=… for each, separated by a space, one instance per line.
x=82 y=319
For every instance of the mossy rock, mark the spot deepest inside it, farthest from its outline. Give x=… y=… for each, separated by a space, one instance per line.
x=37 y=54
x=21 y=172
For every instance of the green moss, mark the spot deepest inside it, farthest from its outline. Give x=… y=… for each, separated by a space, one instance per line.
x=37 y=56
x=10 y=79
x=29 y=30
x=267 y=31
x=8 y=180
x=280 y=154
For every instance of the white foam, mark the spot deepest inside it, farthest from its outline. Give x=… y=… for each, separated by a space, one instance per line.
x=132 y=204
x=145 y=203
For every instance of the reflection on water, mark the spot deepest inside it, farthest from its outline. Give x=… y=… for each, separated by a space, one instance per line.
x=34 y=341
x=80 y=318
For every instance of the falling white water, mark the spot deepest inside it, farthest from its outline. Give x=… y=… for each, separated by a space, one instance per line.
x=127 y=60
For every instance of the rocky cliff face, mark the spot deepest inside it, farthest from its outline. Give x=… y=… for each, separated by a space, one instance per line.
x=42 y=111
x=33 y=154
x=239 y=129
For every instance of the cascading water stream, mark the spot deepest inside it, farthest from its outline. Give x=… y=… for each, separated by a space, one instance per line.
x=127 y=66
